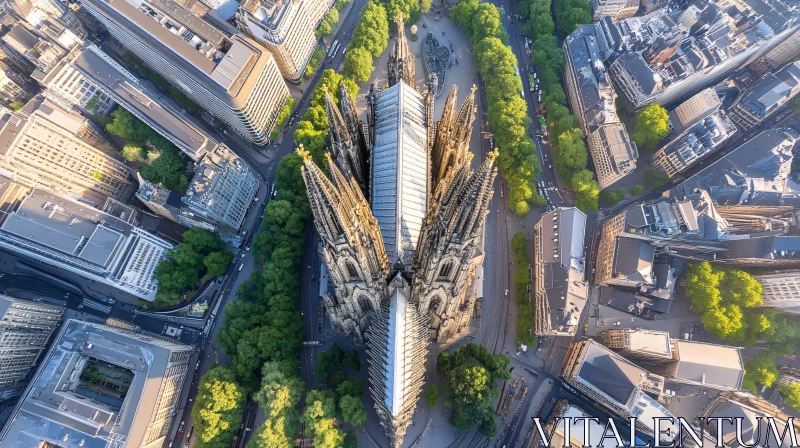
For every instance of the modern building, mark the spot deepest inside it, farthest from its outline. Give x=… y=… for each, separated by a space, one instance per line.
x=770 y=93
x=640 y=344
x=618 y=385
x=560 y=291
x=32 y=47
x=285 y=28
x=753 y=412
x=73 y=237
x=616 y=9
x=707 y=365
x=219 y=195
x=781 y=290
x=593 y=100
x=101 y=386
x=693 y=111
x=231 y=76
x=403 y=259
x=68 y=86
x=668 y=57
x=45 y=145
x=777 y=57
x=696 y=142
x=25 y=330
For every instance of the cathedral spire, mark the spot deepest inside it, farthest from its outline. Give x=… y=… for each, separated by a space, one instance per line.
x=451 y=145
x=401 y=58
x=346 y=146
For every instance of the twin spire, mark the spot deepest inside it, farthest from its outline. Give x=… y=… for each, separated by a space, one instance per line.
x=401 y=58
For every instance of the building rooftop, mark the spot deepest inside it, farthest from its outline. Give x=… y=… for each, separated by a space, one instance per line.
x=633 y=260
x=710 y=364
x=693 y=110
x=400 y=170
x=614 y=375
x=766 y=95
x=60 y=407
x=650 y=341
x=125 y=89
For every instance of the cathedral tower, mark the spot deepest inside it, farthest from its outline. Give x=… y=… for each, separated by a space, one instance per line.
x=347 y=139
x=453 y=132
x=451 y=247
x=351 y=246
x=401 y=58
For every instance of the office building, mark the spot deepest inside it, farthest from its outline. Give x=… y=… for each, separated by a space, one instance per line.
x=769 y=94
x=285 y=28
x=615 y=9
x=668 y=57
x=707 y=365
x=560 y=291
x=231 y=76
x=639 y=344
x=75 y=238
x=696 y=142
x=617 y=384
x=25 y=330
x=219 y=195
x=45 y=145
x=753 y=412
x=778 y=57
x=781 y=290
x=593 y=99
x=101 y=386
x=693 y=111
x=70 y=87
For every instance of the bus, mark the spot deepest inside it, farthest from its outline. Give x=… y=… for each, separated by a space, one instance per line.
x=543 y=124
x=532 y=82
x=334 y=48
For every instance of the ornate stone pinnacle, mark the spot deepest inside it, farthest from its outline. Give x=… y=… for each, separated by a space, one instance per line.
x=474 y=88
x=493 y=155
x=303 y=153
x=469 y=157
x=328 y=157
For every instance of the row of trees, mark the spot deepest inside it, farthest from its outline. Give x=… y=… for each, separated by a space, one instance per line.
x=317 y=56
x=331 y=19
x=162 y=162
x=283 y=116
x=470 y=376
x=312 y=129
x=522 y=283
x=566 y=137
x=341 y=398
x=571 y=14
x=508 y=113
x=200 y=257
x=370 y=38
x=538 y=21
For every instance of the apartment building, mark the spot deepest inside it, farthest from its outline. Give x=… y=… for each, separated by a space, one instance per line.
x=25 y=330
x=699 y=140
x=616 y=9
x=233 y=77
x=593 y=100
x=285 y=28
x=618 y=385
x=101 y=386
x=668 y=57
x=75 y=238
x=561 y=291
x=769 y=94
x=45 y=145
x=218 y=199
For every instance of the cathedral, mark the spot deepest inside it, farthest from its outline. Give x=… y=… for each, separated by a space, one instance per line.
x=401 y=217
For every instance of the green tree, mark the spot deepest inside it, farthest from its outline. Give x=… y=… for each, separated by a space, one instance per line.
x=358 y=64
x=655 y=178
x=353 y=410
x=319 y=418
x=328 y=23
x=650 y=127
x=425 y=5
x=586 y=190
x=570 y=153
x=791 y=394
x=471 y=375
x=218 y=409
x=350 y=386
x=16 y=105
x=612 y=197
x=133 y=153
x=351 y=360
x=637 y=190
x=350 y=440
x=286 y=110
x=216 y=264
x=760 y=370
x=431 y=395
x=372 y=31
x=573 y=18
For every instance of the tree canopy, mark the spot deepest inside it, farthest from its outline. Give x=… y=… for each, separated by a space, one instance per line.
x=655 y=178
x=358 y=64
x=791 y=394
x=612 y=197
x=218 y=409
x=328 y=23
x=471 y=375
x=200 y=254
x=372 y=31
x=650 y=127
x=522 y=281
